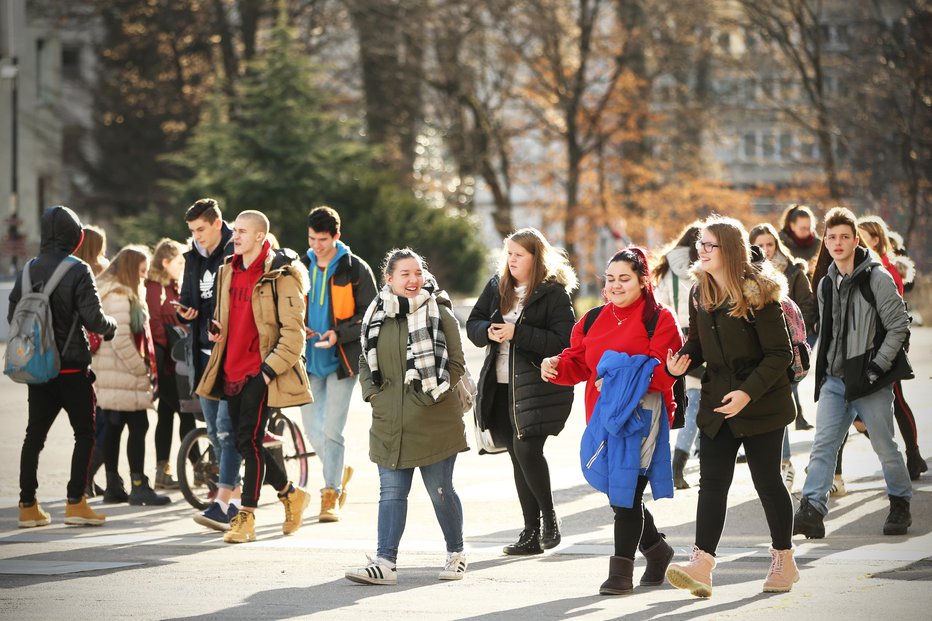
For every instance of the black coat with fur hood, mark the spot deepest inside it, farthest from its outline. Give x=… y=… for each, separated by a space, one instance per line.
x=744 y=354
x=536 y=407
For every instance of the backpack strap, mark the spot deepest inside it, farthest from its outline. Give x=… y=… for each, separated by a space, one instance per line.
x=591 y=315
x=676 y=292
x=59 y=273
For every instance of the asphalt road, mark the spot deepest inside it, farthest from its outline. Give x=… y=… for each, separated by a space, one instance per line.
x=156 y=563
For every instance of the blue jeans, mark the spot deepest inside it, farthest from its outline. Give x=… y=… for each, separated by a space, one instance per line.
x=223 y=439
x=690 y=432
x=324 y=421
x=833 y=418
x=393 y=505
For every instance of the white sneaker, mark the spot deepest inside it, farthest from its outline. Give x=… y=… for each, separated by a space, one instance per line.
x=789 y=475
x=455 y=568
x=378 y=571
x=838 y=487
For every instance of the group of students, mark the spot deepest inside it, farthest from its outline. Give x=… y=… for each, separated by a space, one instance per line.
x=266 y=328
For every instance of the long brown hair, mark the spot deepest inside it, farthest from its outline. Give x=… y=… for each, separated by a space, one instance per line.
x=549 y=264
x=732 y=242
x=92 y=249
x=768 y=229
x=166 y=250
x=687 y=239
x=878 y=228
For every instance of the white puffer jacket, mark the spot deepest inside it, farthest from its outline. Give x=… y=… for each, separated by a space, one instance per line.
x=122 y=373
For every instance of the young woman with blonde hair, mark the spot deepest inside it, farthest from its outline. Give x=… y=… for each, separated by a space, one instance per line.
x=523 y=316
x=124 y=368
x=736 y=326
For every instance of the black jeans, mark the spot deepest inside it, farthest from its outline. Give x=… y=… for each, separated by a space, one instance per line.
x=249 y=413
x=716 y=470
x=74 y=393
x=168 y=405
x=138 y=423
x=634 y=525
x=531 y=472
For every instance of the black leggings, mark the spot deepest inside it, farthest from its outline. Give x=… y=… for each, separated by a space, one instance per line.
x=532 y=474
x=634 y=525
x=138 y=423
x=716 y=471
x=163 y=429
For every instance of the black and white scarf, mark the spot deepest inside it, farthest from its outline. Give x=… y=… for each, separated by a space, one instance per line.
x=427 y=359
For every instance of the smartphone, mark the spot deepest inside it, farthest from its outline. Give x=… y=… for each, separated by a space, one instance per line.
x=213 y=328
x=178 y=306
x=322 y=344
x=496 y=317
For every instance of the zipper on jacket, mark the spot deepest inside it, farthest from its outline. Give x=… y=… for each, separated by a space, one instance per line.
x=593 y=458
x=511 y=361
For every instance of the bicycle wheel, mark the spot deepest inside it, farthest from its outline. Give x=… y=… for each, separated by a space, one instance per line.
x=197 y=468
x=292 y=455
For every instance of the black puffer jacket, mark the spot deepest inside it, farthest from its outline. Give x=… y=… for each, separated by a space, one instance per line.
x=543 y=329
x=76 y=294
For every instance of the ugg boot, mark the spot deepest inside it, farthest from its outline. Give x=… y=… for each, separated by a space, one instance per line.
x=620 y=577
x=679 y=464
x=694 y=576
x=115 y=491
x=142 y=494
x=97 y=460
x=329 y=511
x=783 y=573
x=528 y=543
x=550 y=530
x=347 y=475
x=658 y=558
x=163 y=476
x=80 y=514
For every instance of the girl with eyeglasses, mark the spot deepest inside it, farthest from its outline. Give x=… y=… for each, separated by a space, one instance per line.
x=736 y=327
x=629 y=409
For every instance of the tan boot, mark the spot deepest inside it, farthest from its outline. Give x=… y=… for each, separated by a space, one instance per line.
x=80 y=514
x=242 y=528
x=329 y=510
x=295 y=503
x=783 y=572
x=347 y=475
x=33 y=515
x=696 y=575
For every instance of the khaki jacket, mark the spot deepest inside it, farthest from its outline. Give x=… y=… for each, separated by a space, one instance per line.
x=281 y=329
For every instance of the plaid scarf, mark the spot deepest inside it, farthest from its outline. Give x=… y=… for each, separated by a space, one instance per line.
x=427 y=359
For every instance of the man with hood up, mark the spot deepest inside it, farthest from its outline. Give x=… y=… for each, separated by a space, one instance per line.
x=74 y=304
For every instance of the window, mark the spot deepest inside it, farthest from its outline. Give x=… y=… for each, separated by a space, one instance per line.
x=786 y=146
x=767 y=146
x=71 y=62
x=750 y=146
x=40 y=69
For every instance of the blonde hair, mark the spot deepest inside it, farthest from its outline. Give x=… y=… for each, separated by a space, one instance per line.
x=549 y=264
x=92 y=249
x=124 y=270
x=733 y=243
x=166 y=250
x=874 y=225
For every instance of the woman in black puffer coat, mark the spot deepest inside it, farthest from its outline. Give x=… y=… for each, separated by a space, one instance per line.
x=523 y=316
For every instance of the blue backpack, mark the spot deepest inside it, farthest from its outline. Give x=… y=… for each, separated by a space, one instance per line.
x=32 y=356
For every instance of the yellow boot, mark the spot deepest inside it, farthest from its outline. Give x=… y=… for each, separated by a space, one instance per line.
x=295 y=503
x=80 y=514
x=33 y=515
x=347 y=475
x=329 y=509
x=242 y=528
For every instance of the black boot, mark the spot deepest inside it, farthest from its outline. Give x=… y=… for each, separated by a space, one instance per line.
x=528 y=543
x=97 y=460
x=915 y=463
x=658 y=557
x=550 y=530
x=899 y=520
x=808 y=521
x=679 y=464
x=115 y=491
x=620 y=576
x=142 y=494
x=801 y=423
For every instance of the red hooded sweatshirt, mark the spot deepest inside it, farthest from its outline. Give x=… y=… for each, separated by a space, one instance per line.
x=243 y=360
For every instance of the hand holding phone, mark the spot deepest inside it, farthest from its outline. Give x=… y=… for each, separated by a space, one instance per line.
x=214 y=327
x=496 y=316
x=181 y=308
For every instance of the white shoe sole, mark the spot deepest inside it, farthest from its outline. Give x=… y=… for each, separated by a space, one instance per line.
x=209 y=523
x=80 y=521
x=33 y=523
x=776 y=589
x=681 y=580
x=353 y=577
x=452 y=575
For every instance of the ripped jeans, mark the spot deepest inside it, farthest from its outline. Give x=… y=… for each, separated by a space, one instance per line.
x=393 y=505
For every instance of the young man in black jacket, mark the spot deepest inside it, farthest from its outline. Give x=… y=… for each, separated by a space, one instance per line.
x=74 y=304
x=342 y=287
x=211 y=244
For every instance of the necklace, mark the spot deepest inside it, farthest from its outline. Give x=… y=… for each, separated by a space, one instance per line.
x=620 y=321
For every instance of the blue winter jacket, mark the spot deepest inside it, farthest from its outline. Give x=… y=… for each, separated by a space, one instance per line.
x=610 y=450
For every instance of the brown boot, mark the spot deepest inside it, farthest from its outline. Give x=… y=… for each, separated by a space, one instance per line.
x=347 y=475
x=694 y=576
x=658 y=558
x=783 y=573
x=81 y=514
x=620 y=577
x=329 y=511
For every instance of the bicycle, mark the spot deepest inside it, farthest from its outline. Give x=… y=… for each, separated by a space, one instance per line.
x=198 y=470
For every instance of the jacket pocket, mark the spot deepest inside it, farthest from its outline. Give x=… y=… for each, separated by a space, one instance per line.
x=423 y=399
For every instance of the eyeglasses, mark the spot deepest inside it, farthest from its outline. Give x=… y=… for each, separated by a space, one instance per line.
x=706 y=247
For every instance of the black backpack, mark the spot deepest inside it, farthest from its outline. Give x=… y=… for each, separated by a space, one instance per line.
x=679 y=386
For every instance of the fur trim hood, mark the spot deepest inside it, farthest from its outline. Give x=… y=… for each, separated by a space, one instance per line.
x=764 y=286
